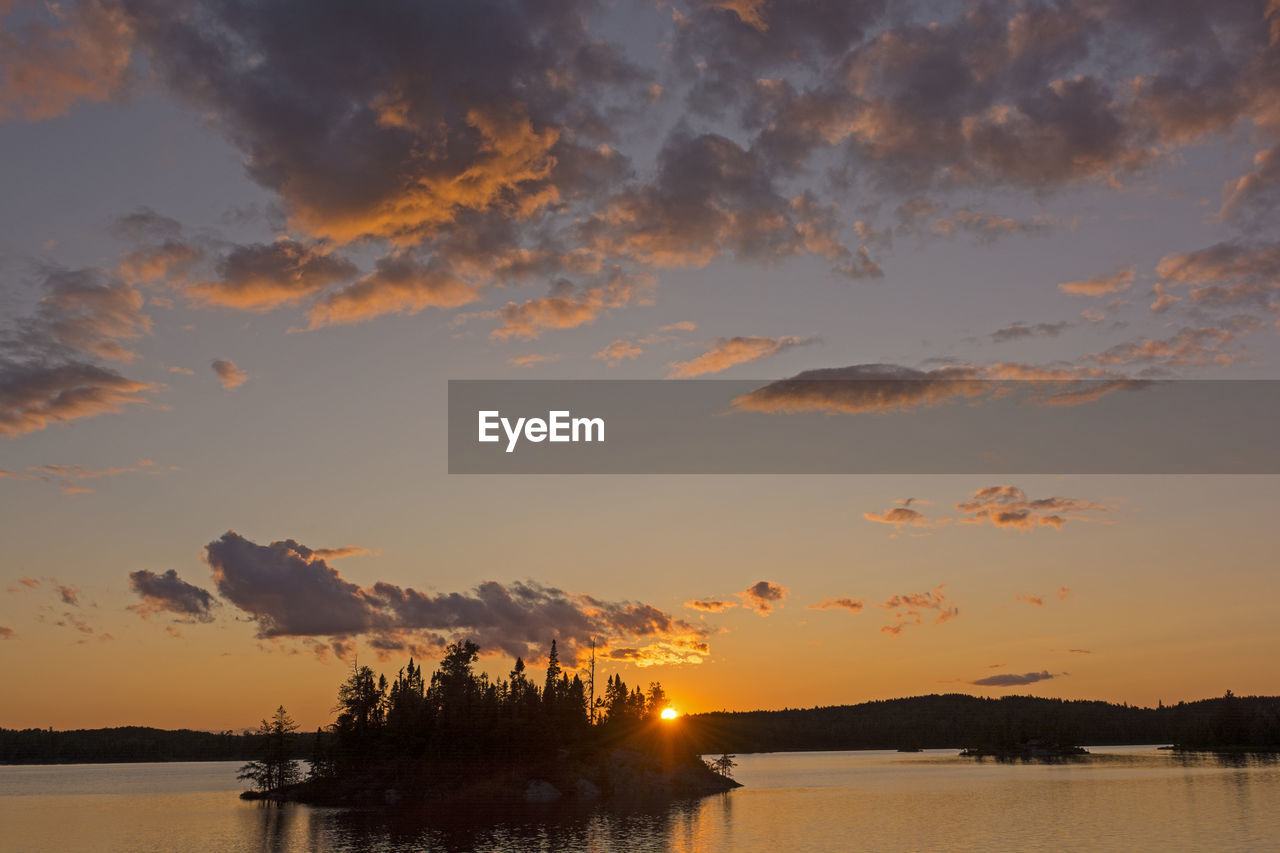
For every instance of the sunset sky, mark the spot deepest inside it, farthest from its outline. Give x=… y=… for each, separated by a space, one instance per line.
x=244 y=245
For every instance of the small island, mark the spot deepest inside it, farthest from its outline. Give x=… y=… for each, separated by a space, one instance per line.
x=458 y=738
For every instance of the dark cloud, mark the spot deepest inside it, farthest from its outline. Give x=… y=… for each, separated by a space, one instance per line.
x=6 y=633
x=1010 y=679
x=67 y=593
x=290 y=591
x=871 y=388
x=170 y=593
x=709 y=605
x=382 y=123
x=48 y=372
x=763 y=597
x=228 y=374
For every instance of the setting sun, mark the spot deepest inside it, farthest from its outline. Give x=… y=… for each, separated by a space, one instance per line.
x=669 y=713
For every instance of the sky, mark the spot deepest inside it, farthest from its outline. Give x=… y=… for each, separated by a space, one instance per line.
x=245 y=245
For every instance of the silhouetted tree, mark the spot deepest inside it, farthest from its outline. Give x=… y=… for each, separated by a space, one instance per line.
x=275 y=768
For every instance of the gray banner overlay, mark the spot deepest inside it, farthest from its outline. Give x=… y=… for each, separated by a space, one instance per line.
x=864 y=426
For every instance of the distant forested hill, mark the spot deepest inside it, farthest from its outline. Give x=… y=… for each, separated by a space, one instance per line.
x=927 y=722
x=957 y=721
x=129 y=743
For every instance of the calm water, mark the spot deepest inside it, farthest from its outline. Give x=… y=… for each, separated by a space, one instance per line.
x=1121 y=798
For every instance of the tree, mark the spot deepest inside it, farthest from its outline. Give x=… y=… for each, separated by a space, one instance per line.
x=723 y=765
x=552 y=687
x=657 y=701
x=275 y=769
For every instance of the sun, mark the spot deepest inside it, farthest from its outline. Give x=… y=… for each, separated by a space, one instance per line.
x=669 y=713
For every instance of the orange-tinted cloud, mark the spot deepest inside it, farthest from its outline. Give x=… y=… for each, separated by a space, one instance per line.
x=567 y=308
x=853 y=605
x=263 y=276
x=61 y=54
x=727 y=352
x=617 y=352
x=399 y=284
x=1033 y=600
x=532 y=359
x=763 y=597
x=906 y=609
x=709 y=605
x=33 y=395
x=898 y=516
x=1009 y=507
x=1101 y=285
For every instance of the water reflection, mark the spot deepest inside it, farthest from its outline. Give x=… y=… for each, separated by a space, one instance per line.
x=1137 y=798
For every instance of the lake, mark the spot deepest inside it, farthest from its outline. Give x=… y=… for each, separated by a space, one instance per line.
x=1119 y=798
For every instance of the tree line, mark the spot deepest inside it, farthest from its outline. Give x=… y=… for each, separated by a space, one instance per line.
x=959 y=721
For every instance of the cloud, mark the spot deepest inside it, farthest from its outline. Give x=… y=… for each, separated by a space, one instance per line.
x=1033 y=600
x=34 y=395
x=851 y=604
x=712 y=197
x=170 y=593
x=907 y=609
x=48 y=372
x=68 y=477
x=532 y=359
x=763 y=597
x=228 y=374
x=6 y=633
x=709 y=605
x=728 y=352
x=1164 y=299
x=1063 y=593
x=340 y=552
x=618 y=352
x=986 y=228
x=1010 y=679
x=412 y=136
x=1189 y=347
x=682 y=326
x=67 y=593
x=23 y=583
x=1009 y=507
x=263 y=276
x=1018 y=331
x=567 y=308
x=59 y=55
x=898 y=516
x=1101 y=285
x=399 y=284
x=290 y=591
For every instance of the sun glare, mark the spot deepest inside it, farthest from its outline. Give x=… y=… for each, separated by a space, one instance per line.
x=669 y=713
